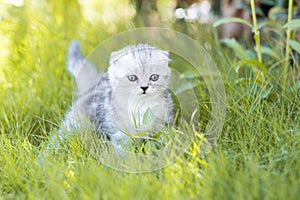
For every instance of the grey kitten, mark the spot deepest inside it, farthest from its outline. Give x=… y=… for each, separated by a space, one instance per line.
x=117 y=101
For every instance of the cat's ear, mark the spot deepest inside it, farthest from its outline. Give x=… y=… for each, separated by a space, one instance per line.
x=164 y=56
x=166 y=53
x=114 y=56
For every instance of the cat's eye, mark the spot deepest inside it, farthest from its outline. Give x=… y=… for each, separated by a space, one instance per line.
x=132 y=78
x=154 y=77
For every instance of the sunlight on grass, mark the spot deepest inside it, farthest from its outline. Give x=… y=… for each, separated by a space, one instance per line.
x=3 y=56
x=13 y=2
x=109 y=13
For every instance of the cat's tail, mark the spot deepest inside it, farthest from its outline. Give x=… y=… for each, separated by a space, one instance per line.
x=84 y=72
x=74 y=58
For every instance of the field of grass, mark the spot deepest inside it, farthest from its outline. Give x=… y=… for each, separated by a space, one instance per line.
x=257 y=155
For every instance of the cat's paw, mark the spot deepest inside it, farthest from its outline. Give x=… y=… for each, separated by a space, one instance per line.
x=118 y=150
x=120 y=142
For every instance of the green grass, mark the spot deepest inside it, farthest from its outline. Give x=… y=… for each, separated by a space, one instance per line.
x=257 y=155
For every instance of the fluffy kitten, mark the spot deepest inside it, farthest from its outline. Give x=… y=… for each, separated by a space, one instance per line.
x=115 y=102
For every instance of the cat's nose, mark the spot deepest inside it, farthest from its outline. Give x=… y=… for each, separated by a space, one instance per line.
x=144 y=88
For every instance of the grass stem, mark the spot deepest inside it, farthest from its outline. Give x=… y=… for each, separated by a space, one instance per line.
x=287 y=46
x=256 y=31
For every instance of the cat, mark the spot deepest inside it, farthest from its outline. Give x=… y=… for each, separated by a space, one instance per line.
x=116 y=101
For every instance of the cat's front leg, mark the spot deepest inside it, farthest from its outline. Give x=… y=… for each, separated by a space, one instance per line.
x=119 y=141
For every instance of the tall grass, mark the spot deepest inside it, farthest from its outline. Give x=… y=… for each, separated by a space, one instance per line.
x=256 y=31
x=287 y=46
x=257 y=156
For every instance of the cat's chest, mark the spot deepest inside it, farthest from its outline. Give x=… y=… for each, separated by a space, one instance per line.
x=132 y=112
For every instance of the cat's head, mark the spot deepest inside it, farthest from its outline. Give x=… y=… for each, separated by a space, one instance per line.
x=139 y=69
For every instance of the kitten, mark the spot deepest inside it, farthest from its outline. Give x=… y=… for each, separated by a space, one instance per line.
x=116 y=102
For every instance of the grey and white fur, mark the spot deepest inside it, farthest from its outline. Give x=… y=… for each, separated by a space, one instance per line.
x=115 y=102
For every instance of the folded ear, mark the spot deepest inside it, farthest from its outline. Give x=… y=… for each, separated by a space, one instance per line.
x=115 y=55
x=165 y=55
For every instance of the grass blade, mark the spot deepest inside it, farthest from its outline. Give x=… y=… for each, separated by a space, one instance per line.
x=231 y=20
x=295 y=45
x=237 y=47
x=293 y=24
x=268 y=51
x=255 y=66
